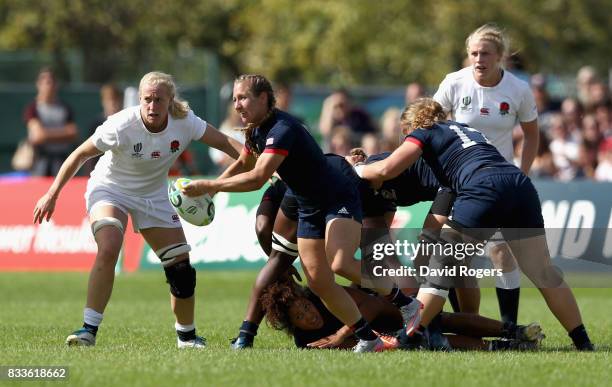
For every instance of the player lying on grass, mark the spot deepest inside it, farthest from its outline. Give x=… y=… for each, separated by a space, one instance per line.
x=276 y=232
x=296 y=310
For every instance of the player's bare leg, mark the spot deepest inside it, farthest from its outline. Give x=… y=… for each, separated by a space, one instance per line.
x=108 y=224
x=534 y=259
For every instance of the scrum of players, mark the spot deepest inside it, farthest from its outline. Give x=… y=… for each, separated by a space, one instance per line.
x=476 y=193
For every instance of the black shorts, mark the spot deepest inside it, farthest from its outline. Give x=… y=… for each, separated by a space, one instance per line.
x=289 y=206
x=274 y=194
x=498 y=199
x=443 y=202
x=373 y=203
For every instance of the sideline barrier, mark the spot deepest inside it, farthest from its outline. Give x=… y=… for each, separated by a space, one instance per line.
x=579 y=211
x=63 y=244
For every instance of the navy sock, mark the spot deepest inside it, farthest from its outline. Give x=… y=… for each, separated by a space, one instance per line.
x=186 y=336
x=580 y=337
x=90 y=328
x=398 y=298
x=248 y=329
x=363 y=331
x=508 y=303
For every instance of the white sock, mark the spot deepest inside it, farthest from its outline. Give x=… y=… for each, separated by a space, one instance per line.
x=184 y=328
x=509 y=280
x=91 y=317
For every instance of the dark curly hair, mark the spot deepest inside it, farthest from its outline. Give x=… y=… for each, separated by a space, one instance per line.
x=276 y=300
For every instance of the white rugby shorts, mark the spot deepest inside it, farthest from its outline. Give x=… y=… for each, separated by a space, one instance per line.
x=146 y=212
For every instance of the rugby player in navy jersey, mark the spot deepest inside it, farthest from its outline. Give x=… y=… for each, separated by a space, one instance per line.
x=296 y=310
x=417 y=184
x=329 y=224
x=492 y=194
x=414 y=185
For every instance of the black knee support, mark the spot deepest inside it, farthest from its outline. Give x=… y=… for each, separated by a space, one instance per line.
x=182 y=279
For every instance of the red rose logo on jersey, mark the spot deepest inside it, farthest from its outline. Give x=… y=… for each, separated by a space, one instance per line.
x=504 y=108
x=174 y=146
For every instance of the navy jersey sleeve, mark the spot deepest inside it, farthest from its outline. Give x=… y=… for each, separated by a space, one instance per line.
x=280 y=140
x=419 y=137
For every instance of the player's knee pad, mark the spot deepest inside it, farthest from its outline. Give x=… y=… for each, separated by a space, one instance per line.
x=167 y=255
x=106 y=221
x=280 y=243
x=181 y=278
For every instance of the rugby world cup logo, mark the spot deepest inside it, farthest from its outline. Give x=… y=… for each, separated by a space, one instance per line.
x=137 y=148
x=465 y=102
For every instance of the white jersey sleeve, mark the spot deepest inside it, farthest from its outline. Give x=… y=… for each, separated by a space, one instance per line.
x=527 y=110
x=444 y=95
x=106 y=137
x=198 y=126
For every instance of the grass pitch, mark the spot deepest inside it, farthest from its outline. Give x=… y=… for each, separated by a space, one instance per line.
x=137 y=344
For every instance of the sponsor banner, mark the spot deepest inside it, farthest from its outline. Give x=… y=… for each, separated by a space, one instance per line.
x=579 y=212
x=230 y=240
x=578 y=219
x=65 y=243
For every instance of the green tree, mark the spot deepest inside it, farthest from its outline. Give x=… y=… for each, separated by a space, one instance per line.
x=311 y=41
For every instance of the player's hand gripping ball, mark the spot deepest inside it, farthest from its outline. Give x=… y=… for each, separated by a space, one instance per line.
x=199 y=210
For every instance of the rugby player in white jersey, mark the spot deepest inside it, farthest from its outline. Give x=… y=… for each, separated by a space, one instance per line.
x=494 y=101
x=140 y=144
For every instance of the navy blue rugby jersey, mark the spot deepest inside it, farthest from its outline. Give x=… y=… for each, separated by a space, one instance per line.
x=414 y=185
x=455 y=152
x=340 y=164
x=305 y=168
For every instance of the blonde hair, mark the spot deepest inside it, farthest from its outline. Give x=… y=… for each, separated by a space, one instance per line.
x=178 y=108
x=491 y=33
x=422 y=113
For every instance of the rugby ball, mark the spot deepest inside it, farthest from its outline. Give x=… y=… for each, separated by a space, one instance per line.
x=198 y=210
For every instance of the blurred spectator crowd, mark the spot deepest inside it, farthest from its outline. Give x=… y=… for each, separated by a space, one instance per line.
x=575 y=131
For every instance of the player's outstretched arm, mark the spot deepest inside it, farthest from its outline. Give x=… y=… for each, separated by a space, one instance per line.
x=46 y=204
x=252 y=180
x=392 y=166
x=213 y=137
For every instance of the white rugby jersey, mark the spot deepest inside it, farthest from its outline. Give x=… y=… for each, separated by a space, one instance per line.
x=494 y=111
x=136 y=161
